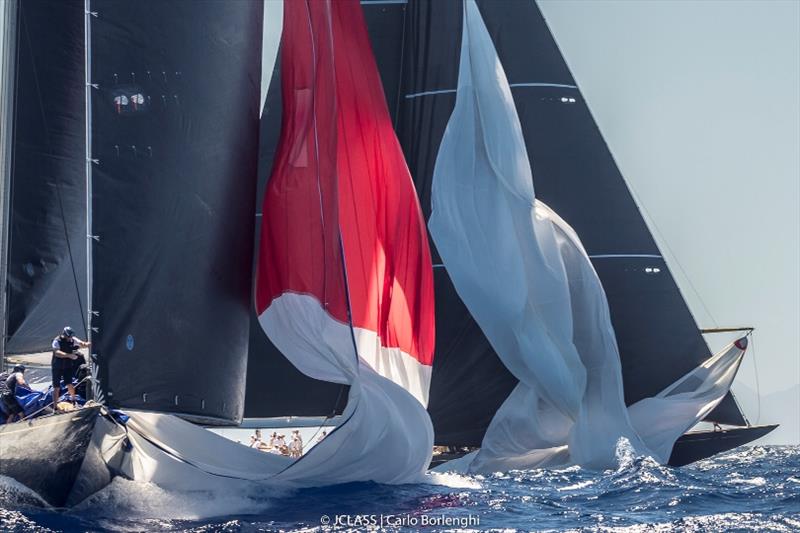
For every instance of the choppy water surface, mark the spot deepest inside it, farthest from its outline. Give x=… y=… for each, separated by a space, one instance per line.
x=751 y=489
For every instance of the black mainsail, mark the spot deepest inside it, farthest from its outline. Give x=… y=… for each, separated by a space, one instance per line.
x=174 y=141
x=45 y=260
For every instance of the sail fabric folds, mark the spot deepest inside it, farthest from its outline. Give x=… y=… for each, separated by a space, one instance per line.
x=528 y=282
x=46 y=255
x=662 y=419
x=381 y=440
x=344 y=280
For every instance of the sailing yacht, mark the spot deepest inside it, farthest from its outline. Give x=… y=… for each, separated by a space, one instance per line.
x=167 y=157
x=344 y=279
x=658 y=340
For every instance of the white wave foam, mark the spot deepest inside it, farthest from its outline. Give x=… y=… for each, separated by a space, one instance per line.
x=576 y=486
x=454 y=481
x=15 y=494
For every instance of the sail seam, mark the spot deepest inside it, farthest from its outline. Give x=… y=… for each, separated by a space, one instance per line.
x=512 y=85
x=622 y=256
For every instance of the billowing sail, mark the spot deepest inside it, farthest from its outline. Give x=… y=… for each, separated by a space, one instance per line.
x=343 y=246
x=344 y=277
x=657 y=337
x=46 y=255
x=529 y=283
x=660 y=420
x=525 y=277
x=174 y=149
x=272 y=381
x=344 y=286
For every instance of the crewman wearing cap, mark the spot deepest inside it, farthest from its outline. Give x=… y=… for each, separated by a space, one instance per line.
x=64 y=348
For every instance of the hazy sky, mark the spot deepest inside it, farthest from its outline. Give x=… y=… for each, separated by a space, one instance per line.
x=699 y=102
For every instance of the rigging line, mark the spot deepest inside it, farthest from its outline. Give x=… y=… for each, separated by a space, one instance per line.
x=643 y=209
x=758 y=384
x=316 y=153
x=57 y=183
x=400 y=78
x=338 y=225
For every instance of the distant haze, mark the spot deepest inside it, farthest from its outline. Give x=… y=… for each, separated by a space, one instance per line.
x=700 y=105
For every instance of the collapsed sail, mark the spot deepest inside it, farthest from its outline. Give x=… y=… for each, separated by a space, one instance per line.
x=174 y=134
x=657 y=337
x=344 y=284
x=272 y=381
x=524 y=276
x=660 y=420
x=46 y=255
x=527 y=280
x=342 y=241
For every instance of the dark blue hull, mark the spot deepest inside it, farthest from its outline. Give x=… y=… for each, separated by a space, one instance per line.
x=699 y=445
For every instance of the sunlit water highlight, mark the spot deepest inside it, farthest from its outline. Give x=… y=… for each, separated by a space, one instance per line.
x=750 y=489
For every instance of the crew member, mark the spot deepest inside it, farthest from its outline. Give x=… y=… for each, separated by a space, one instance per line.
x=8 y=392
x=63 y=362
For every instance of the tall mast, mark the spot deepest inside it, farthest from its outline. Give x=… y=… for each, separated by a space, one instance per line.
x=87 y=66
x=8 y=23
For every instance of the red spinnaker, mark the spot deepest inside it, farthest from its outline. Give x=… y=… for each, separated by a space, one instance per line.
x=340 y=204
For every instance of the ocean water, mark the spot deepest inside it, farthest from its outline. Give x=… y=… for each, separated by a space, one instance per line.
x=750 y=489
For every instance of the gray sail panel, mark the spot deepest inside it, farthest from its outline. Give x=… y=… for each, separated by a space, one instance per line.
x=175 y=139
x=46 y=287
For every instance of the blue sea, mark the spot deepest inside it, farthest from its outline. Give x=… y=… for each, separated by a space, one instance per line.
x=750 y=489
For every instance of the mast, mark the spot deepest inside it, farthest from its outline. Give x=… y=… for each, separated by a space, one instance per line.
x=8 y=23
x=87 y=68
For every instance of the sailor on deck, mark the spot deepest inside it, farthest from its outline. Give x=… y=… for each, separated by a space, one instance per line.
x=8 y=391
x=63 y=362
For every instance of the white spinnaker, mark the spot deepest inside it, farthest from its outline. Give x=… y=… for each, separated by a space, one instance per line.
x=526 y=279
x=662 y=419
